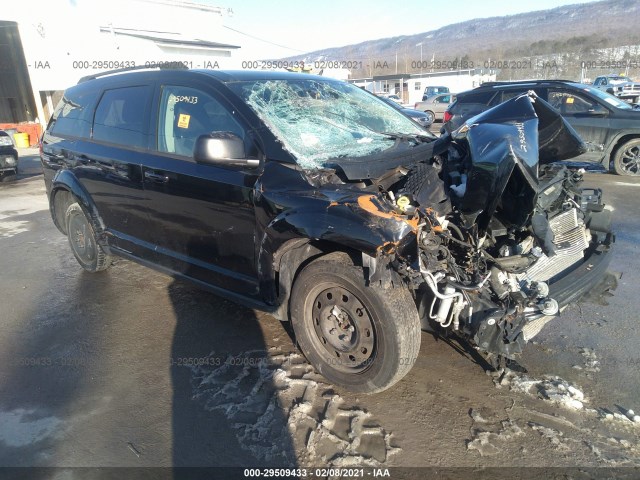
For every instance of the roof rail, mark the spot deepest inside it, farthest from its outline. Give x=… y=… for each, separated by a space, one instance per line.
x=161 y=66
x=515 y=82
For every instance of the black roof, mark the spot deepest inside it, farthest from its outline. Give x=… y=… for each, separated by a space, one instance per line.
x=224 y=76
x=495 y=86
x=227 y=76
x=525 y=82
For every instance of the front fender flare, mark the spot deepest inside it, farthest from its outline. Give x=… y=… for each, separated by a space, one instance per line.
x=356 y=228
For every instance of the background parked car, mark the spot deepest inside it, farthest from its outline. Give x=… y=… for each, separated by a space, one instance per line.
x=425 y=119
x=8 y=156
x=609 y=126
x=434 y=90
x=436 y=105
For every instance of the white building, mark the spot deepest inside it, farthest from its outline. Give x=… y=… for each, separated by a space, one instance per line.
x=410 y=87
x=64 y=40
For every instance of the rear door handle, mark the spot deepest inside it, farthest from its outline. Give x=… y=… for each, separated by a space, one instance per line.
x=156 y=177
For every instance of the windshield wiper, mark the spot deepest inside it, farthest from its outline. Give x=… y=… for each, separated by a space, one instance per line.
x=406 y=137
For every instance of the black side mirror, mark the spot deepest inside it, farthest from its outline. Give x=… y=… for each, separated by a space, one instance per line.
x=222 y=148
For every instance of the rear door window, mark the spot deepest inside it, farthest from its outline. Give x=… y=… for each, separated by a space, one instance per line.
x=72 y=116
x=120 y=116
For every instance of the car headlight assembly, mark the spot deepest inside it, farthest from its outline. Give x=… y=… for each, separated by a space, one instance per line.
x=7 y=161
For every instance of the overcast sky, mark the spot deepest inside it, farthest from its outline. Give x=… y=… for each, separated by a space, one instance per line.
x=303 y=26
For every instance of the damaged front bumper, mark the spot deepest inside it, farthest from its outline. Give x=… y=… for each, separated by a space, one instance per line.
x=494 y=302
x=590 y=281
x=505 y=239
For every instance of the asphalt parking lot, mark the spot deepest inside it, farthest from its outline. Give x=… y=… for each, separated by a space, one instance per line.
x=129 y=367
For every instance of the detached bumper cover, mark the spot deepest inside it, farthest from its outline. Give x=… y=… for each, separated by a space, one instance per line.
x=584 y=280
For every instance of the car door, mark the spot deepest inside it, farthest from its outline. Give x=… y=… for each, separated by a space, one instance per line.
x=105 y=154
x=202 y=215
x=587 y=116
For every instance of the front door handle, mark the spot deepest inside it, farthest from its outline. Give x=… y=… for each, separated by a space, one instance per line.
x=156 y=177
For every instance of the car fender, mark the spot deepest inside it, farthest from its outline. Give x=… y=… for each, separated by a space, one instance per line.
x=65 y=181
x=620 y=137
x=359 y=226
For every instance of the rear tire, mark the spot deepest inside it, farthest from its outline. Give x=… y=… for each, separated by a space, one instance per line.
x=626 y=160
x=362 y=338
x=82 y=239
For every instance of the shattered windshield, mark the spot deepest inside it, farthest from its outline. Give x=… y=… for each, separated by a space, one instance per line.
x=318 y=120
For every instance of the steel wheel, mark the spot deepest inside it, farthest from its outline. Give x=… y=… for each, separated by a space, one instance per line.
x=358 y=336
x=82 y=240
x=343 y=328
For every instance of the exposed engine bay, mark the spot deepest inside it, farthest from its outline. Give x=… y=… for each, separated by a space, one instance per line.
x=492 y=285
x=497 y=226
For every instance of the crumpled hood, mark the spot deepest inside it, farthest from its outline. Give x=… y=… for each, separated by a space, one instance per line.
x=509 y=140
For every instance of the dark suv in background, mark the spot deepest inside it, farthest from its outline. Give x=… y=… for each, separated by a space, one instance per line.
x=610 y=127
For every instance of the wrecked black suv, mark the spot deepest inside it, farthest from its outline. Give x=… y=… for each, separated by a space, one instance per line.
x=317 y=202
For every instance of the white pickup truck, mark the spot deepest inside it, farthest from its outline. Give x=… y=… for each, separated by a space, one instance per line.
x=619 y=86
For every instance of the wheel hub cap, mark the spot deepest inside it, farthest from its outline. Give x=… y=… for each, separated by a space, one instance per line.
x=80 y=240
x=82 y=243
x=631 y=160
x=344 y=328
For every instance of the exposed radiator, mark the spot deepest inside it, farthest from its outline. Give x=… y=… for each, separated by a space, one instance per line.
x=566 y=245
x=569 y=235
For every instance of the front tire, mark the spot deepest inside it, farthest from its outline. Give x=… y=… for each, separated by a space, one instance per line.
x=82 y=239
x=626 y=160
x=431 y=116
x=362 y=338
